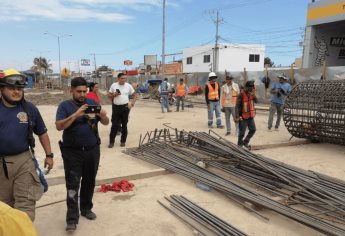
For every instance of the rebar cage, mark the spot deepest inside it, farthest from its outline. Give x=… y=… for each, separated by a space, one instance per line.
x=316 y=110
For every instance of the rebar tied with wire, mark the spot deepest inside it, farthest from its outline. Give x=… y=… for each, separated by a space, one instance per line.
x=315 y=110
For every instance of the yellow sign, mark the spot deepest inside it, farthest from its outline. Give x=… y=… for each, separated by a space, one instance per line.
x=65 y=72
x=326 y=11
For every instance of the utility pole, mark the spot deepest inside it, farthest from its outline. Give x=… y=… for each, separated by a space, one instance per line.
x=94 y=60
x=58 y=39
x=163 y=39
x=216 y=48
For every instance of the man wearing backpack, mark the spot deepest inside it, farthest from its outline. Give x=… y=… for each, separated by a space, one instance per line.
x=20 y=185
x=80 y=149
x=164 y=90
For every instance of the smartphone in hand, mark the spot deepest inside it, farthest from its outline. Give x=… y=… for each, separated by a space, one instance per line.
x=93 y=109
x=118 y=91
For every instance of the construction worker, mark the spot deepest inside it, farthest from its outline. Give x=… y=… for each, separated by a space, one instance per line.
x=20 y=184
x=229 y=93
x=181 y=91
x=279 y=91
x=245 y=113
x=212 y=95
x=164 y=91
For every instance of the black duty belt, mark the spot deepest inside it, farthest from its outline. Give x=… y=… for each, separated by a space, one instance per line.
x=82 y=148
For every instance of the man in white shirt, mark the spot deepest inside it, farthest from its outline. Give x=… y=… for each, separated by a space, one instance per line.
x=119 y=93
x=229 y=94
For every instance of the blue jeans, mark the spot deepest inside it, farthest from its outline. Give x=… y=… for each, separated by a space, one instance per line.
x=242 y=131
x=164 y=102
x=214 y=106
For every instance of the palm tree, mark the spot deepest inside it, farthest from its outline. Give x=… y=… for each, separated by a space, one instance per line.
x=41 y=66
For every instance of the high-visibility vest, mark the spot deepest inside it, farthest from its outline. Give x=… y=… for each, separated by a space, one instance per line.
x=248 y=110
x=213 y=92
x=234 y=95
x=181 y=90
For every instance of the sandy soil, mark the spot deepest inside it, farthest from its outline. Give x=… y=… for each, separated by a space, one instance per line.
x=138 y=213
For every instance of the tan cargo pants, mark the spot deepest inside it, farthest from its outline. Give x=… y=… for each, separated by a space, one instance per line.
x=23 y=187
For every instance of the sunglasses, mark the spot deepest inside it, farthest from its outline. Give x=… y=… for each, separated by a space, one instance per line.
x=15 y=80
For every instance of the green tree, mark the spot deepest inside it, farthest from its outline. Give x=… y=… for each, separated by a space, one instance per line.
x=268 y=61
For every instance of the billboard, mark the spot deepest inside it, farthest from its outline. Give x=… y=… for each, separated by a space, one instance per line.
x=150 y=60
x=172 y=69
x=85 y=62
x=127 y=62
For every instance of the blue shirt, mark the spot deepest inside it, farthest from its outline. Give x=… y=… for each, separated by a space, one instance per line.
x=14 y=127
x=79 y=133
x=280 y=99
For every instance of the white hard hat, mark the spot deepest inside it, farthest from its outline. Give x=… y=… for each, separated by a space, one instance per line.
x=212 y=75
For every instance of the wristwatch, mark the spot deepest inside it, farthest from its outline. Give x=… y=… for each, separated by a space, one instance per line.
x=51 y=155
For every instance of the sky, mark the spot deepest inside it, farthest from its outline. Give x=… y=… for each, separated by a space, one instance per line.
x=112 y=31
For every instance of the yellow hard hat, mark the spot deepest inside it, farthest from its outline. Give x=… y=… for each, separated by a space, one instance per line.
x=12 y=77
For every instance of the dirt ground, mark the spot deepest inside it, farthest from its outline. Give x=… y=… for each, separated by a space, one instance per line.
x=137 y=212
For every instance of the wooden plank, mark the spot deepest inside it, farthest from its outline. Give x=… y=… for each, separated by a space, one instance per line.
x=278 y=145
x=61 y=179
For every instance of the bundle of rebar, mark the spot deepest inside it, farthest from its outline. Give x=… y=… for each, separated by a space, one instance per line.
x=178 y=151
x=201 y=220
x=315 y=110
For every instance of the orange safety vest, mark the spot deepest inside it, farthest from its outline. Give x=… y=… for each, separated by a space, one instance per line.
x=181 y=90
x=248 y=109
x=233 y=98
x=213 y=93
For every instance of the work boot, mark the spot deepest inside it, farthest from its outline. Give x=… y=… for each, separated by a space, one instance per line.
x=247 y=147
x=227 y=133
x=89 y=215
x=71 y=227
x=122 y=144
x=220 y=126
x=111 y=145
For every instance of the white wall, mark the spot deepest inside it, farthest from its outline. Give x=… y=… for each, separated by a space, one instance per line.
x=232 y=57
x=235 y=57
x=197 y=54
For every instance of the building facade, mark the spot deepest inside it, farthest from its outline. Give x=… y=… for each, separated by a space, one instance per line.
x=230 y=57
x=324 y=40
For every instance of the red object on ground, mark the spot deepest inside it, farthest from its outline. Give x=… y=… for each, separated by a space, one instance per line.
x=122 y=185
x=194 y=90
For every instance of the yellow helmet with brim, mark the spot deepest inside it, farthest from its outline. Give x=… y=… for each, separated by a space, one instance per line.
x=12 y=77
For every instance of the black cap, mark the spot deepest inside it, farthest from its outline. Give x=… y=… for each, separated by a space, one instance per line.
x=250 y=84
